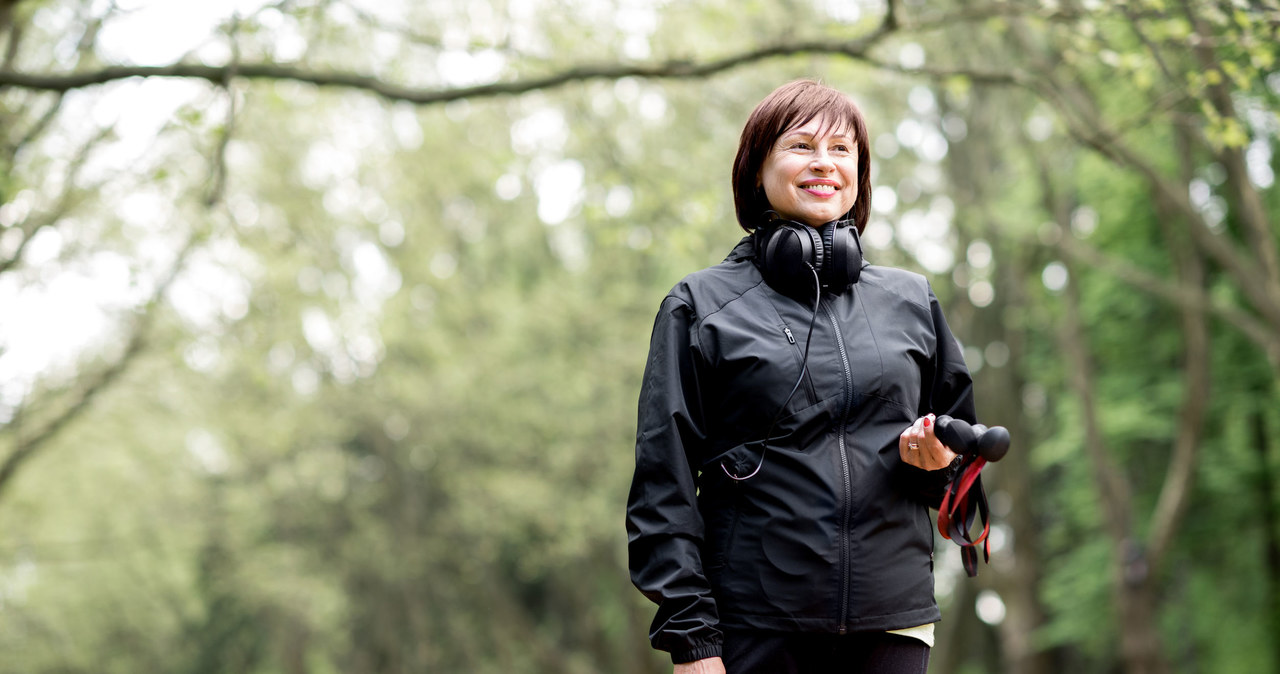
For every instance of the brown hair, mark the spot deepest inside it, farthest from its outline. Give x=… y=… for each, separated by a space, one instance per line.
x=791 y=105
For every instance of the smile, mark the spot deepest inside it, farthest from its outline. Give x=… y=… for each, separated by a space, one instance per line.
x=820 y=189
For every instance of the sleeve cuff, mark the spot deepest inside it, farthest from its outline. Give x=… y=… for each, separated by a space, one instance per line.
x=698 y=653
x=941 y=475
x=953 y=467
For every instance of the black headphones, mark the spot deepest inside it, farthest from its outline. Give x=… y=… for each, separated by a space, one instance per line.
x=788 y=253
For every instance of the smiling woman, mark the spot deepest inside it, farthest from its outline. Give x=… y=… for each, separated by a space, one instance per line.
x=785 y=452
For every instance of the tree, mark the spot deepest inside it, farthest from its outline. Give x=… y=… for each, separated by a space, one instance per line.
x=349 y=341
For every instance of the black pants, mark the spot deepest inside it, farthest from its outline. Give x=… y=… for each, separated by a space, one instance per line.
x=755 y=652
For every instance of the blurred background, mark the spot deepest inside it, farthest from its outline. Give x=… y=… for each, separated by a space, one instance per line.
x=322 y=321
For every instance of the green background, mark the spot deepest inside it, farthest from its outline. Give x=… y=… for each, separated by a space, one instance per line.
x=321 y=338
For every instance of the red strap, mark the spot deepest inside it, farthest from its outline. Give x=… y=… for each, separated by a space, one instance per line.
x=961 y=505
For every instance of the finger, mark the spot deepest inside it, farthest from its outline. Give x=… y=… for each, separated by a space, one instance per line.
x=909 y=436
x=933 y=453
x=914 y=453
x=928 y=432
x=926 y=427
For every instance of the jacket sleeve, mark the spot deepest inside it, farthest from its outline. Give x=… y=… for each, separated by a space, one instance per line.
x=946 y=388
x=664 y=527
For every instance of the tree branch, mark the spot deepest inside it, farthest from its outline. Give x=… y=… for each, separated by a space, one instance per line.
x=16 y=33
x=1181 y=294
x=993 y=10
x=1113 y=488
x=676 y=69
x=1111 y=483
x=26 y=447
x=39 y=127
x=218 y=179
x=857 y=49
x=1175 y=493
x=66 y=201
x=1248 y=204
x=1086 y=126
x=1154 y=49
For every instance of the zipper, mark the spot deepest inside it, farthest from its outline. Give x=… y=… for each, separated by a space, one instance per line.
x=844 y=468
x=808 y=381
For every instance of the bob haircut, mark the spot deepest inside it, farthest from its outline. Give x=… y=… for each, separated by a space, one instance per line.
x=791 y=105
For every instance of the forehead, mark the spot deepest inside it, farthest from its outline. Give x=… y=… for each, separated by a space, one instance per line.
x=821 y=125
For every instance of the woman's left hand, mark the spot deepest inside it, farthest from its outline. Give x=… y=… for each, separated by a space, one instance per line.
x=919 y=447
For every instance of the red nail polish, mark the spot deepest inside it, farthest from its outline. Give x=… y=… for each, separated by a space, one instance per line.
x=927 y=421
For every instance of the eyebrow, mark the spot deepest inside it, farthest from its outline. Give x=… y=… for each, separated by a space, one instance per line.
x=843 y=135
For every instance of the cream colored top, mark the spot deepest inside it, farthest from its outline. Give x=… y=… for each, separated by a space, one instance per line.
x=921 y=632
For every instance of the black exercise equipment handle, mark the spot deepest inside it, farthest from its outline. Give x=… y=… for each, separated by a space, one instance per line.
x=965 y=438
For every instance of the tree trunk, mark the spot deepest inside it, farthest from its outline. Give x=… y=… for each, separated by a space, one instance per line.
x=1017 y=568
x=1140 y=645
x=1271 y=541
x=957 y=632
x=1019 y=584
x=1132 y=593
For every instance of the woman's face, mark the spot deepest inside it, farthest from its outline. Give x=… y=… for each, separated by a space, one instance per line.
x=811 y=173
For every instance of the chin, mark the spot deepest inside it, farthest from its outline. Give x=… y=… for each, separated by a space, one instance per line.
x=819 y=220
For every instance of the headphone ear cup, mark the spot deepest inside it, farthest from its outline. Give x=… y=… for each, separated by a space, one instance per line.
x=786 y=252
x=844 y=250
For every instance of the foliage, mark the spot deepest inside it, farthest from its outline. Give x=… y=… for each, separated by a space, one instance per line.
x=341 y=375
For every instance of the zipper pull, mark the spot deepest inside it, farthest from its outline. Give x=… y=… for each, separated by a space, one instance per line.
x=790 y=337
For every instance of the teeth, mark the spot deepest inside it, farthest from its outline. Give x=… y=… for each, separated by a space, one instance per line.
x=821 y=188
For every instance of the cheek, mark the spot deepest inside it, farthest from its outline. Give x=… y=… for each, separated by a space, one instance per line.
x=852 y=197
x=852 y=181
x=772 y=184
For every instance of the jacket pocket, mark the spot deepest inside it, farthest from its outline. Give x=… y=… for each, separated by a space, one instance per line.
x=798 y=350
x=722 y=530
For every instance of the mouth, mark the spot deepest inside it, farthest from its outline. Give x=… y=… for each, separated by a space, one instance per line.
x=820 y=188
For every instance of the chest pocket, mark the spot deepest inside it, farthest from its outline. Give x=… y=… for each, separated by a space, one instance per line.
x=756 y=365
x=888 y=344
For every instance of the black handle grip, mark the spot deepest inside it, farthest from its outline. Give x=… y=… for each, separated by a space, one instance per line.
x=965 y=438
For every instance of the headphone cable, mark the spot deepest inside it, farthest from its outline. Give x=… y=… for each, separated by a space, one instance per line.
x=804 y=367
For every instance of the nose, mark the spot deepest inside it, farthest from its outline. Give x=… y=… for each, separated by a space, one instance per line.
x=822 y=162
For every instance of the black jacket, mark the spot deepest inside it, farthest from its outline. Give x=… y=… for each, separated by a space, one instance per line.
x=833 y=533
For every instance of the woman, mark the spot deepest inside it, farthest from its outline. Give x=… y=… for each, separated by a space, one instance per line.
x=785 y=451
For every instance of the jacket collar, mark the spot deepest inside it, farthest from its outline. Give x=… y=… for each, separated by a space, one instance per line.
x=745 y=250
